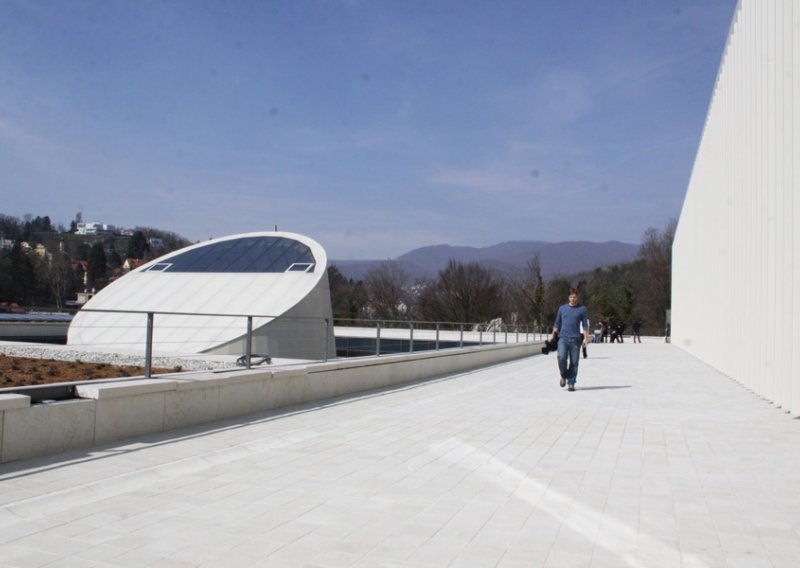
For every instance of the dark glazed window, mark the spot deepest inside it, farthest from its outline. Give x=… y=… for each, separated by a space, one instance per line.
x=250 y=254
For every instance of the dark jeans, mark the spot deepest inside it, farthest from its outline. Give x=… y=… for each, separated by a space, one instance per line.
x=569 y=349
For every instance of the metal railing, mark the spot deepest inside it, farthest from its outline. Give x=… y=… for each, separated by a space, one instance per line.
x=486 y=333
x=248 y=355
x=476 y=333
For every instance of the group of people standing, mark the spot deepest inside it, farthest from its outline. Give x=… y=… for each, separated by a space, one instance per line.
x=614 y=332
x=571 y=331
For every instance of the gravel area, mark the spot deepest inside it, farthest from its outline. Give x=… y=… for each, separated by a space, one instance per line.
x=64 y=353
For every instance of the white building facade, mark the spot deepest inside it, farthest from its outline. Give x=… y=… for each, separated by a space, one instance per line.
x=95 y=228
x=736 y=255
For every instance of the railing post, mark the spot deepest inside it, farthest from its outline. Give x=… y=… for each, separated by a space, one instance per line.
x=437 y=337
x=461 y=335
x=506 y=336
x=327 y=337
x=494 y=335
x=480 y=336
x=148 y=348
x=378 y=340
x=411 y=340
x=248 y=352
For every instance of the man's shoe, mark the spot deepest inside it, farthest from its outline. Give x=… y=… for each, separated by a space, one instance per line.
x=563 y=382
x=585 y=355
x=571 y=387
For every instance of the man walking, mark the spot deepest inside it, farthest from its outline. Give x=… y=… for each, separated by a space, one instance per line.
x=572 y=329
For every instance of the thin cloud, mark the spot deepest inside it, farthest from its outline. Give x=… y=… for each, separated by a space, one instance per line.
x=484 y=182
x=23 y=141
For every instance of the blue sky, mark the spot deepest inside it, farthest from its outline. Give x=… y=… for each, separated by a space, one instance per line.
x=374 y=127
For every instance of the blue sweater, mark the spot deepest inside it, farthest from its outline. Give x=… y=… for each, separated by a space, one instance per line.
x=569 y=319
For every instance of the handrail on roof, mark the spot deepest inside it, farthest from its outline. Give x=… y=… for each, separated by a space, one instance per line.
x=530 y=332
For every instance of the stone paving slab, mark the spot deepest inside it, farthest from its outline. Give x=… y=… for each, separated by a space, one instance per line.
x=656 y=460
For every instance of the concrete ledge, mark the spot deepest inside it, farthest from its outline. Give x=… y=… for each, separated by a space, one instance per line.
x=119 y=410
x=128 y=416
x=11 y=401
x=124 y=389
x=44 y=429
x=189 y=406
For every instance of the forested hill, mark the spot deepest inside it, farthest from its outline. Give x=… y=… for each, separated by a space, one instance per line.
x=44 y=265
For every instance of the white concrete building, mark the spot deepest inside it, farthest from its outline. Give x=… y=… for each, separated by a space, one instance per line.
x=201 y=296
x=95 y=228
x=736 y=256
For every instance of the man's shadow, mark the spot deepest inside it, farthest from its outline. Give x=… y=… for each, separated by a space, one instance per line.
x=602 y=388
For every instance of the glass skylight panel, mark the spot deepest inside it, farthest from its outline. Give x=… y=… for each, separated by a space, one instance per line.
x=300 y=267
x=198 y=259
x=159 y=267
x=222 y=256
x=255 y=256
x=250 y=254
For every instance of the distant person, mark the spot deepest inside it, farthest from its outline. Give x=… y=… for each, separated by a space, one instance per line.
x=637 y=327
x=620 y=333
x=612 y=332
x=567 y=328
x=585 y=332
x=667 y=333
x=598 y=332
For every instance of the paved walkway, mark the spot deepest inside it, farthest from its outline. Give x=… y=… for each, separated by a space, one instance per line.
x=656 y=460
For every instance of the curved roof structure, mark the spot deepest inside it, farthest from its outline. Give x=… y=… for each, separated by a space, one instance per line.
x=200 y=297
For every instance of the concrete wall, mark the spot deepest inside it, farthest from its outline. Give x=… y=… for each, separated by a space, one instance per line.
x=117 y=410
x=736 y=256
x=305 y=331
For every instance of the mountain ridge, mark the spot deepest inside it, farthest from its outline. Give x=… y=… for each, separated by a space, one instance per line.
x=509 y=258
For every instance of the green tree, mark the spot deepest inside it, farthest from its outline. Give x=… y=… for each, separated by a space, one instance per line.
x=610 y=295
x=137 y=245
x=98 y=266
x=348 y=298
x=114 y=259
x=20 y=280
x=82 y=251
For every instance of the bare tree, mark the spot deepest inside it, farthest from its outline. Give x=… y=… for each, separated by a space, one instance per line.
x=525 y=295
x=10 y=228
x=655 y=289
x=556 y=294
x=462 y=293
x=386 y=286
x=55 y=278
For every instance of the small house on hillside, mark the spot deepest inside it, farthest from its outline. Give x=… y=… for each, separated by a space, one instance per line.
x=132 y=264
